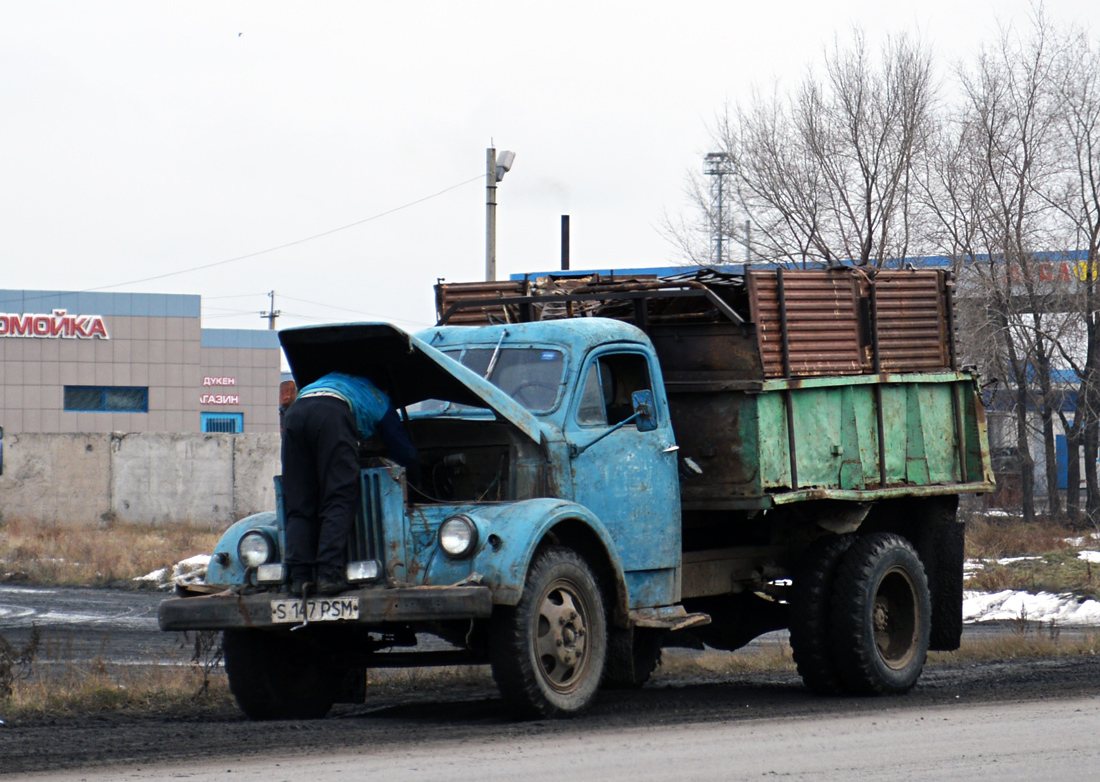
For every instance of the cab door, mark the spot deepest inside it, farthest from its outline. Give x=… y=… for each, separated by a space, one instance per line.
x=629 y=478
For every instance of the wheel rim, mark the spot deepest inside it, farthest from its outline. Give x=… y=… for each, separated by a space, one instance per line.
x=895 y=618
x=561 y=636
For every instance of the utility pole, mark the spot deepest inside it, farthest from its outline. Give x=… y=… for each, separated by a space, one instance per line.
x=494 y=172
x=717 y=165
x=272 y=313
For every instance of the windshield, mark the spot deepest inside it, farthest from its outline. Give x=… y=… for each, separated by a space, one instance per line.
x=531 y=376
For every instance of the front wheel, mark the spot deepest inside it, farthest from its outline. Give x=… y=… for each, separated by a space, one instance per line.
x=881 y=616
x=276 y=677
x=547 y=653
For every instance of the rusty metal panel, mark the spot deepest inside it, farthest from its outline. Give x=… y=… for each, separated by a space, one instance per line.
x=697 y=353
x=448 y=294
x=810 y=318
x=912 y=320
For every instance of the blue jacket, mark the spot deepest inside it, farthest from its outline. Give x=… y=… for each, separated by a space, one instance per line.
x=367 y=402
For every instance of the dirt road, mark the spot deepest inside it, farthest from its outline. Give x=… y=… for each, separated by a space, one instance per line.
x=956 y=717
x=973 y=742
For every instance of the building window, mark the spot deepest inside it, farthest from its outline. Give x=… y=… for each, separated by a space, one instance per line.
x=231 y=423
x=106 y=399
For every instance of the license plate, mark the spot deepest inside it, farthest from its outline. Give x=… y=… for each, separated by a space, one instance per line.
x=333 y=609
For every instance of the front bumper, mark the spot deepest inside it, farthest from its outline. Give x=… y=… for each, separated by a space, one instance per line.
x=377 y=606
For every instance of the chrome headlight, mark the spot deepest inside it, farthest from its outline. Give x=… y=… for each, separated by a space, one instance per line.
x=458 y=536
x=363 y=570
x=255 y=548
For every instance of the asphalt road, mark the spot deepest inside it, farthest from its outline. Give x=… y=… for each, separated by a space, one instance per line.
x=79 y=625
x=1048 y=740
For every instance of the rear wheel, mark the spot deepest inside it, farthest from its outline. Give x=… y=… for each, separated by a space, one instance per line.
x=811 y=606
x=274 y=676
x=548 y=652
x=881 y=616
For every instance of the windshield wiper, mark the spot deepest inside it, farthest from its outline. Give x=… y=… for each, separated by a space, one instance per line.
x=496 y=355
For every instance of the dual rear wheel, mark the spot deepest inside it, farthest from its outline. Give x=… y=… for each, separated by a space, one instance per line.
x=861 y=615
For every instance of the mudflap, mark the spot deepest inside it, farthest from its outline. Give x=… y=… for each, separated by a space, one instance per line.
x=736 y=620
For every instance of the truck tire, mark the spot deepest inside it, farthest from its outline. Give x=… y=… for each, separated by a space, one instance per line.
x=276 y=677
x=547 y=653
x=632 y=657
x=881 y=615
x=811 y=606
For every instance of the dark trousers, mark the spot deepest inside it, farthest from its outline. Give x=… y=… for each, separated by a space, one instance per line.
x=320 y=484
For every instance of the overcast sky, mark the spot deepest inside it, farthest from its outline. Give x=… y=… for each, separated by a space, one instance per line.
x=143 y=138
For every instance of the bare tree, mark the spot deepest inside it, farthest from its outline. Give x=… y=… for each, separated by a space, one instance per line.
x=825 y=174
x=1075 y=194
x=985 y=190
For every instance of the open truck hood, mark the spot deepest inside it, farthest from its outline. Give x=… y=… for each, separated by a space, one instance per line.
x=412 y=369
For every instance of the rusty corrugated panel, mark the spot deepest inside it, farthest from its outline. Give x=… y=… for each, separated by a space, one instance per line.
x=912 y=320
x=450 y=293
x=821 y=314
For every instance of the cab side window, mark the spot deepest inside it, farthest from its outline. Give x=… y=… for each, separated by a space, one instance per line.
x=608 y=386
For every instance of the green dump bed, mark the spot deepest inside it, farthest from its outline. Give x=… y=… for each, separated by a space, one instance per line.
x=819 y=438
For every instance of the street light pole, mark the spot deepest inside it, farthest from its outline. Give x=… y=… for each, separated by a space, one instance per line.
x=490 y=214
x=494 y=172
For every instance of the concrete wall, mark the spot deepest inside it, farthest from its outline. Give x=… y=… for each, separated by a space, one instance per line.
x=146 y=478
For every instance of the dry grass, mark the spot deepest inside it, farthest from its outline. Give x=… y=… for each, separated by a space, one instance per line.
x=99 y=688
x=766 y=657
x=992 y=538
x=45 y=681
x=55 y=555
x=1056 y=569
x=1046 y=642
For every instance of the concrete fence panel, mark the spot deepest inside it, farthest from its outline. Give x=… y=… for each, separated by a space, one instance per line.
x=256 y=462
x=62 y=478
x=146 y=478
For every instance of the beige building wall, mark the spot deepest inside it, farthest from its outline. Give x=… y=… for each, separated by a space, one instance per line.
x=163 y=353
x=257 y=374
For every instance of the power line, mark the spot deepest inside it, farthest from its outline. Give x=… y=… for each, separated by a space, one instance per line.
x=287 y=244
x=235 y=296
x=356 y=312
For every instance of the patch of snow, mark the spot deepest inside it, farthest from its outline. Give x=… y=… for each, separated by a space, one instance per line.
x=26 y=590
x=1010 y=560
x=1089 y=556
x=973 y=567
x=189 y=571
x=1000 y=514
x=1083 y=539
x=1044 y=607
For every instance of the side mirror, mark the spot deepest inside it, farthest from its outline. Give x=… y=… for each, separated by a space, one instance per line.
x=643 y=418
x=1 y=433
x=644 y=415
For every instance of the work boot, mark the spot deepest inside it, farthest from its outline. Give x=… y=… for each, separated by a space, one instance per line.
x=298 y=585
x=299 y=580
x=330 y=582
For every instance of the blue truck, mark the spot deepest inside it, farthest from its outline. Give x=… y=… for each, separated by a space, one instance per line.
x=610 y=466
